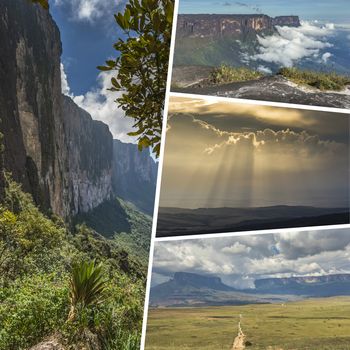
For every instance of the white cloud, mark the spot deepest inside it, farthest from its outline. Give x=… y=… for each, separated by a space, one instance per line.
x=282 y=141
x=326 y=56
x=236 y=248
x=64 y=82
x=88 y=10
x=101 y=105
x=240 y=260
x=291 y=44
x=265 y=70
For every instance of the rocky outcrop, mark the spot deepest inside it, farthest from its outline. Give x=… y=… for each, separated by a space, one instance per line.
x=59 y=154
x=272 y=88
x=134 y=175
x=215 y=25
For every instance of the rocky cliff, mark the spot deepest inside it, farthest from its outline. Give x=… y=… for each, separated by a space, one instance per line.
x=59 y=154
x=65 y=159
x=134 y=175
x=214 y=25
x=90 y=156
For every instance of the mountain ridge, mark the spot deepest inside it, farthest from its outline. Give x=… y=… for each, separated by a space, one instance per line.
x=193 y=289
x=213 y=25
x=181 y=221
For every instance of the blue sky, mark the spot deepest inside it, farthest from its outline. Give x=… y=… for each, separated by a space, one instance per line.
x=87 y=38
x=326 y=10
x=88 y=32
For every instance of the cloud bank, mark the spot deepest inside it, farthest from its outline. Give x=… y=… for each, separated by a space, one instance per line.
x=291 y=44
x=241 y=260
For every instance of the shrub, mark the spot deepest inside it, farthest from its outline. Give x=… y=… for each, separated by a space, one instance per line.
x=30 y=309
x=320 y=80
x=226 y=74
x=87 y=287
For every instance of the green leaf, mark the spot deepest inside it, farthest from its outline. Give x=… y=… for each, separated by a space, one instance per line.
x=104 y=68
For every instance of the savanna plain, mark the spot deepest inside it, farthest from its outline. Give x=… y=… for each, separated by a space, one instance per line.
x=322 y=324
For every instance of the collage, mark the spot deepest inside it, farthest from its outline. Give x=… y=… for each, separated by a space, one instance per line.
x=174 y=175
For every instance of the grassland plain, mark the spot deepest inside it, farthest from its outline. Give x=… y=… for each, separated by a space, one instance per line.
x=315 y=324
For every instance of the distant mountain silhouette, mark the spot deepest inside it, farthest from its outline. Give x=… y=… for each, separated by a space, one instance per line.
x=190 y=289
x=179 y=221
x=315 y=286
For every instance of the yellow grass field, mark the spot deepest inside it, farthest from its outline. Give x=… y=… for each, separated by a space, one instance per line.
x=317 y=324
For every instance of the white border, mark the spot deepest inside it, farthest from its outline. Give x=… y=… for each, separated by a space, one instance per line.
x=159 y=177
x=260 y=103
x=255 y=232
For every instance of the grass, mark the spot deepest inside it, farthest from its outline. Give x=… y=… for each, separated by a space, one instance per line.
x=320 y=80
x=321 y=324
x=226 y=74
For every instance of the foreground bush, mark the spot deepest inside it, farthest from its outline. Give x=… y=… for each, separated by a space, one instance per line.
x=30 y=309
x=226 y=74
x=51 y=286
x=320 y=80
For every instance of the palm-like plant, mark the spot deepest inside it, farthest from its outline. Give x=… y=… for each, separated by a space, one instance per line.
x=87 y=286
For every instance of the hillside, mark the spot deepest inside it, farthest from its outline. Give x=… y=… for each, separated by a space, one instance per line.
x=38 y=254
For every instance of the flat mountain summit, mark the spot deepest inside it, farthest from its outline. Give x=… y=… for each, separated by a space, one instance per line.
x=191 y=289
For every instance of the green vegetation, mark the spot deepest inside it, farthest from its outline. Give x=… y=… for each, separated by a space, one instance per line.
x=43 y=3
x=320 y=80
x=322 y=324
x=75 y=285
x=226 y=74
x=197 y=51
x=142 y=66
x=87 y=287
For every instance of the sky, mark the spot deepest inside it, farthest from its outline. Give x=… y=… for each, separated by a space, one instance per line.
x=221 y=154
x=239 y=261
x=88 y=32
x=337 y=11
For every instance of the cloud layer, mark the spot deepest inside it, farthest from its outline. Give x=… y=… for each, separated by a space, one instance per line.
x=241 y=260
x=291 y=44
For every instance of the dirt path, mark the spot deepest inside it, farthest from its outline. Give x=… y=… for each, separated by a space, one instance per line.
x=239 y=341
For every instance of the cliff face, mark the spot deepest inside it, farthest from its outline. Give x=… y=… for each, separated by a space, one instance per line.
x=134 y=175
x=90 y=153
x=30 y=98
x=230 y=25
x=59 y=154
